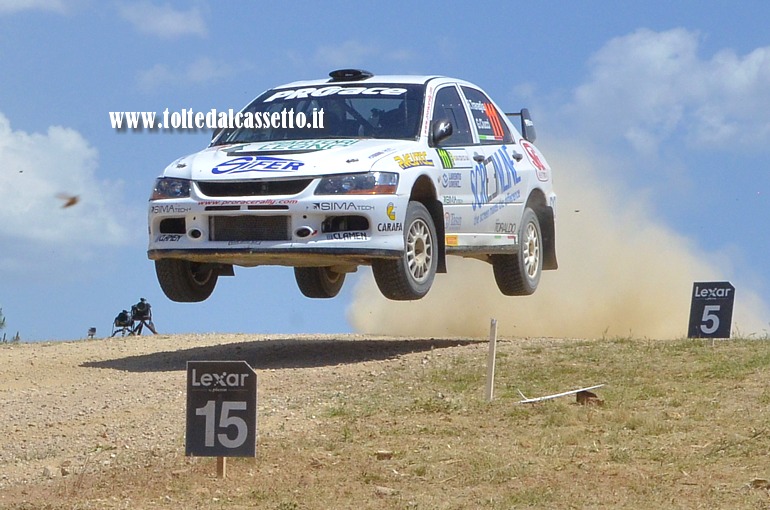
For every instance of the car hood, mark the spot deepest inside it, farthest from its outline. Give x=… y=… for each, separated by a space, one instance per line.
x=285 y=159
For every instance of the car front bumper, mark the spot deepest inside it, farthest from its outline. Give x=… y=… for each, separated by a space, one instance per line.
x=309 y=231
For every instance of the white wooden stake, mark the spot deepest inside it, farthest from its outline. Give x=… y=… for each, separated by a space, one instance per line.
x=491 y=360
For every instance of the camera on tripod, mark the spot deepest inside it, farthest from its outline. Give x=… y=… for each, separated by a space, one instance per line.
x=133 y=322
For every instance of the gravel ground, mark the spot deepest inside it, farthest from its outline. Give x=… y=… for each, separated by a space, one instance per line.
x=71 y=407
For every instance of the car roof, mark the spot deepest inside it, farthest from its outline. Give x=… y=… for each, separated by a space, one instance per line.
x=377 y=78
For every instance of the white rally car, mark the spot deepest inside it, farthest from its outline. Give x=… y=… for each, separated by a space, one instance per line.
x=406 y=170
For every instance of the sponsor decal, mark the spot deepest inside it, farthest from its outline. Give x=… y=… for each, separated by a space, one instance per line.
x=391 y=211
x=505 y=228
x=428 y=108
x=487 y=119
x=452 y=200
x=476 y=106
x=460 y=156
x=497 y=207
x=451 y=240
x=305 y=92
x=347 y=236
x=451 y=179
x=170 y=209
x=485 y=125
x=237 y=243
x=380 y=153
x=265 y=201
x=532 y=156
x=257 y=164
x=494 y=119
x=302 y=145
x=412 y=159
x=168 y=238
x=342 y=206
x=446 y=157
x=501 y=167
x=390 y=227
x=452 y=220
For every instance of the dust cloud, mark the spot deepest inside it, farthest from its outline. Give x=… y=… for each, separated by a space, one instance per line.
x=622 y=273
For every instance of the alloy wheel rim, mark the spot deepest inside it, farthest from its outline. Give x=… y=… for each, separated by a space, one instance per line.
x=419 y=251
x=531 y=251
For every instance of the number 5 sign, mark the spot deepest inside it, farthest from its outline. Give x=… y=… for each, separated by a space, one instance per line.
x=221 y=409
x=711 y=310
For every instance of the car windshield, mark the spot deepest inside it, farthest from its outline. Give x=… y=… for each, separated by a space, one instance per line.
x=387 y=111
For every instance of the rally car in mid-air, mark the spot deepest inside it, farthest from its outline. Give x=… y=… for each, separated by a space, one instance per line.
x=400 y=172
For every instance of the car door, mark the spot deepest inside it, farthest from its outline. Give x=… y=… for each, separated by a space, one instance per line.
x=497 y=179
x=454 y=180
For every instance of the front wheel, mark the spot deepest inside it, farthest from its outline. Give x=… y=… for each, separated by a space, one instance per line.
x=410 y=276
x=318 y=282
x=519 y=274
x=184 y=281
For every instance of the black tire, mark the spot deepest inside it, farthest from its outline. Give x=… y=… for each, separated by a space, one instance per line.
x=318 y=282
x=411 y=276
x=184 y=281
x=519 y=274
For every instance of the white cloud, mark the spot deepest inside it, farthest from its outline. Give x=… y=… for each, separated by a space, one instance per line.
x=648 y=85
x=34 y=169
x=11 y=6
x=202 y=70
x=163 y=20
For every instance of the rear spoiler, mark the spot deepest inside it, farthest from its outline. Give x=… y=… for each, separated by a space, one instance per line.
x=527 y=126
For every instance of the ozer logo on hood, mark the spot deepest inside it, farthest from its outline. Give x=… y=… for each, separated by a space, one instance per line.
x=256 y=164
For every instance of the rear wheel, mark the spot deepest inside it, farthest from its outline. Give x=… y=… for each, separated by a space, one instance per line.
x=519 y=274
x=184 y=281
x=411 y=276
x=318 y=282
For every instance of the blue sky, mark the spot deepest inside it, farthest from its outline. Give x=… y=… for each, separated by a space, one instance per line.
x=664 y=107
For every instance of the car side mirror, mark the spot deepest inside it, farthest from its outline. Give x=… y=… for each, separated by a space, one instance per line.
x=440 y=130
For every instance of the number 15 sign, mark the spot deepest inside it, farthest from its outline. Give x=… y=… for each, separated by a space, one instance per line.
x=711 y=310
x=221 y=409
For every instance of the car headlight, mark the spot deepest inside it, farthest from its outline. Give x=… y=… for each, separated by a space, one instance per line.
x=369 y=183
x=169 y=187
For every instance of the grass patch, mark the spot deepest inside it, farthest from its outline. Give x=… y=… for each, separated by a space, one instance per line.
x=684 y=424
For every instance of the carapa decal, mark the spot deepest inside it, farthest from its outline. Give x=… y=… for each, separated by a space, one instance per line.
x=306 y=92
x=256 y=164
x=390 y=227
x=412 y=159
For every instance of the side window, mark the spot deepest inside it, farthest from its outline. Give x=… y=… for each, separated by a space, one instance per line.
x=488 y=120
x=449 y=106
